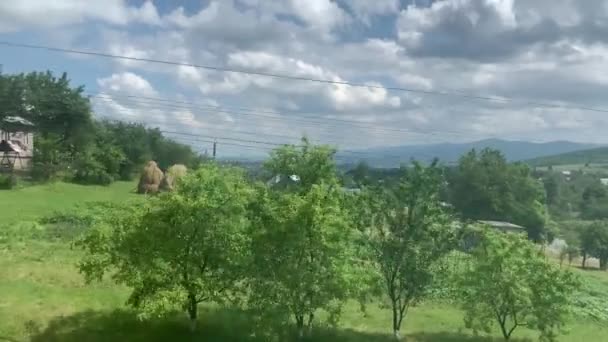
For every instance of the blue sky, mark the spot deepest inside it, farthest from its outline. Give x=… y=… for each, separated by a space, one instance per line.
x=551 y=51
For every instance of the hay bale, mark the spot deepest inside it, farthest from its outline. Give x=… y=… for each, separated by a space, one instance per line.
x=173 y=173
x=151 y=177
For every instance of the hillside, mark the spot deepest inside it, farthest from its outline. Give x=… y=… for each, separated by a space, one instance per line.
x=593 y=156
x=450 y=153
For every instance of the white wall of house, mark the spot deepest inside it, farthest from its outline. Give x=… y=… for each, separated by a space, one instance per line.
x=26 y=142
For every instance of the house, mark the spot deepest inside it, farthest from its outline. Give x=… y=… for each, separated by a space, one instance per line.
x=16 y=143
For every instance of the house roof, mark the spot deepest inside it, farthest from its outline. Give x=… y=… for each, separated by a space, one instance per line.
x=15 y=123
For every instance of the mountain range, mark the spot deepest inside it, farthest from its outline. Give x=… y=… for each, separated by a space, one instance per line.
x=448 y=153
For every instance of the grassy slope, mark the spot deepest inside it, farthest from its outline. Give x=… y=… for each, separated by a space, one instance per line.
x=43 y=298
x=28 y=203
x=595 y=156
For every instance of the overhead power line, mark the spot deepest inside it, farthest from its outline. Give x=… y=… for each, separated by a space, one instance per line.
x=301 y=78
x=316 y=120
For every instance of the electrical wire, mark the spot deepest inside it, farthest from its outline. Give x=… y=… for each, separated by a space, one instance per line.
x=300 y=78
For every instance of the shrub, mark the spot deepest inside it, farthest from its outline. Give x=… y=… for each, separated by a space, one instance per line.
x=7 y=182
x=87 y=170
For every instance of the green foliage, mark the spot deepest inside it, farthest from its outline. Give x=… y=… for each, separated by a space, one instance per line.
x=311 y=164
x=89 y=169
x=301 y=241
x=181 y=249
x=594 y=204
x=594 y=243
x=7 y=182
x=551 y=184
x=512 y=284
x=69 y=144
x=407 y=232
x=49 y=160
x=486 y=187
x=304 y=260
x=60 y=113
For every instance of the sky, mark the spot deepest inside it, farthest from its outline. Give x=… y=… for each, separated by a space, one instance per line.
x=547 y=60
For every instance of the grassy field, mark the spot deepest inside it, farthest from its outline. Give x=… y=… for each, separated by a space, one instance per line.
x=591 y=168
x=44 y=299
x=31 y=202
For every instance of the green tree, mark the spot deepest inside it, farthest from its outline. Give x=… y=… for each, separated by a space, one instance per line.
x=311 y=164
x=140 y=144
x=301 y=240
x=594 y=243
x=52 y=104
x=183 y=248
x=361 y=174
x=407 y=230
x=303 y=256
x=512 y=284
x=572 y=253
x=552 y=187
x=594 y=204
x=486 y=187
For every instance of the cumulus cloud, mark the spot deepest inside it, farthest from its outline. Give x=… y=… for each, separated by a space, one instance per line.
x=533 y=51
x=17 y=15
x=128 y=83
x=365 y=9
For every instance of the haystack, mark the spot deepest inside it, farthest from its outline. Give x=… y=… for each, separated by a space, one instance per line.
x=150 y=179
x=173 y=173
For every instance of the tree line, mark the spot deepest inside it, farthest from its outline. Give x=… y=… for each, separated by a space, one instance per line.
x=292 y=251
x=70 y=144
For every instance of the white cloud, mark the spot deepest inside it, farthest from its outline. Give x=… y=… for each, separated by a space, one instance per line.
x=323 y=15
x=530 y=50
x=16 y=15
x=127 y=83
x=365 y=9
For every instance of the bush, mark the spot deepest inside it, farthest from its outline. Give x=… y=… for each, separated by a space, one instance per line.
x=7 y=182
x=87 y=170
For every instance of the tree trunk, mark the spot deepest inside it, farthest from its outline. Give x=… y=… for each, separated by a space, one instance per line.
x=192 y=311
x=300 y=326
x=311 y=317
x=584 y=260
x=396 y=321
x=504 y=331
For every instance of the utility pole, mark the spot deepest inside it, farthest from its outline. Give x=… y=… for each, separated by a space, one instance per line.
x=214 y=148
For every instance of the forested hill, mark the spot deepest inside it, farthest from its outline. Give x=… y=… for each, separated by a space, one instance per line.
x=390 y=157
x=593 y=156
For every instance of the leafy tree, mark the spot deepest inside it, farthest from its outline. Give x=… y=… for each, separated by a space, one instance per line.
x=301 y=240
x=512 y=284
x=183 y=248
x=572 y=253
x=68 y=142
x=52 y=104
x=594 y=243
x=486 y=187
x=311 y=164
x=361 y=174
x=303 y=256
x=140 y=144
x=594 y=204
x=552 y=187
x=407 y=231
